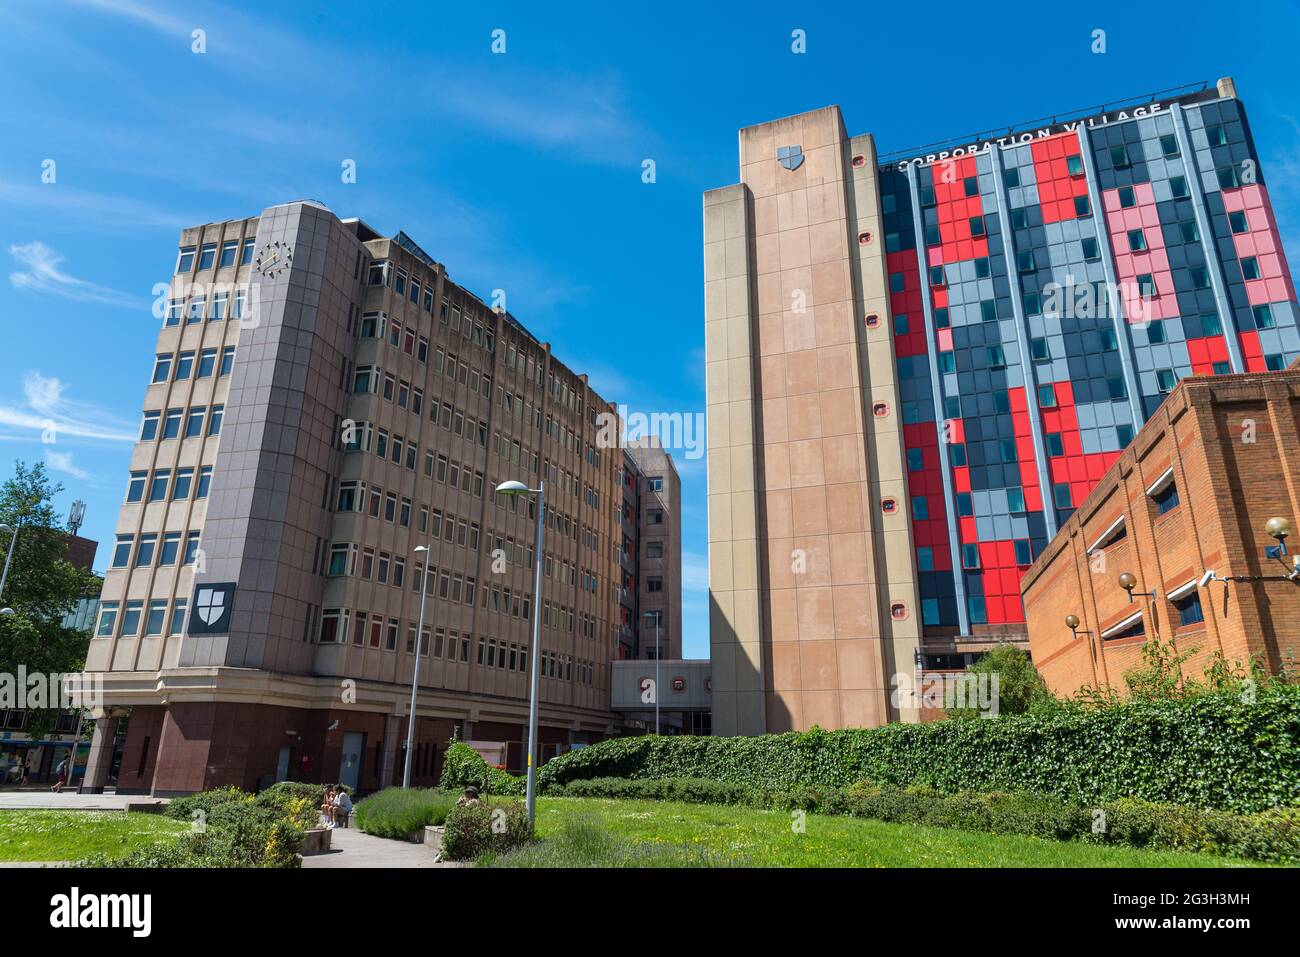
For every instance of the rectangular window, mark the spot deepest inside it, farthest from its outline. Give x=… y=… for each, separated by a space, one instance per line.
x=162 y=368
x=135 y=488
x=970 y=555
x=1166 y=379
x=1137 y=240
x=1263 y=316
x=1237 y=222
x=194 y=422
x=1249 y=268
x=1189 y=609
x=1168 y=145
x=145 y=550
x=1024 y=552
x=1054 y=443
x=228 y=252
x=171 y=548
x=205 y=481
x=1178 y=187
x=1165 y=498
x=207 y=363
x=1061 y=495
x=156 y=618
x=107 y=619
x=122 y=551
x=131 y=619
x=207 y=255
x=185 y=261
x=214 y=420
x=1074 y=165
x=158 y=487
x=1127 y=198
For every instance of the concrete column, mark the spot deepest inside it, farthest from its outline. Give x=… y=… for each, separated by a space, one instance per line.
x=392 y=732
x=101 y=756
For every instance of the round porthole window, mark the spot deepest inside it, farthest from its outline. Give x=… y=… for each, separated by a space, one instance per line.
x=898 y=611
x=859 y=161
x=872 y=320
x=888 y=505
x=880 y=410
x=864 y=238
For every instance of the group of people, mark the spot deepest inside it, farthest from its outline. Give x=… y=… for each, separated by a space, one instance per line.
x=336 y=806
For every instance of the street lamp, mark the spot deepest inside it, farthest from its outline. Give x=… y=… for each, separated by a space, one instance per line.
x=656 y=616
x=519 y=488
x=9 y=557
x=415 y=670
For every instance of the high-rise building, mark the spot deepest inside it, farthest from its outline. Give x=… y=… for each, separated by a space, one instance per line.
x=323 y=402
x=919 y=364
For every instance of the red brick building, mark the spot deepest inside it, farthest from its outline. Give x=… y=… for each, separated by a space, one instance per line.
x=1191 y=495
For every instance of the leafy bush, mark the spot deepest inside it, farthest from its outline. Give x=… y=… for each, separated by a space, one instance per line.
x=1272 y=835
x=399 y=812
x=236 y=833
x=1209 y=751
x=482 y=826
x=183 y=808
x=464 y=767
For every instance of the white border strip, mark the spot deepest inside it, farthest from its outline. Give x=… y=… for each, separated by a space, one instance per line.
x=1137 y=616
x=1182 y=590
x=1106 y=534
x=1166 y=477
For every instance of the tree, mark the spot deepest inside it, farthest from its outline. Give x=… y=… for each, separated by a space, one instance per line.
x=1020 y=686
x=42 y=586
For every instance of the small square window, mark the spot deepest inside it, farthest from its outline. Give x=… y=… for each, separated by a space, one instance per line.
x=1189 y=231
x=971 y=185
x=1137 y=240
x=965 y=508
x=1011 y=177
x=1047 y=396
x=1169 y=145
x=1019 y=218
x=1228 y=178
x=1025 y=260
x=997 y=360
x=1237 y=222
x=1274 y=363
x=1210 y=325
x=941 y=317
x=988 y=310
x=1127 y=198
x=1119 y=157
x=1216 y=136
x=1109 y=341
x=1221 y=368
x=1061 y=495
x=1015 y=500
x=1115 y=387
x=1146 y=284
x=1091 y=250
x=1074 y=164
x=1124 y=433
x=1038 y=350
x=1200 y=277
x=1055 y=445
x=1250 y=268
x=977 y=225
x=937 y=280
x=1263 y=315
x=1156 y=331
x=1082 y=207
x=1166 y=379
x=1024 y=553
x=1178 y=187
x=982 y=267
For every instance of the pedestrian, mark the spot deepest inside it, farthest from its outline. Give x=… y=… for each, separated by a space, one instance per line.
x=24 y=770
x=62 y=771
x=327 y=807
x=342 y=806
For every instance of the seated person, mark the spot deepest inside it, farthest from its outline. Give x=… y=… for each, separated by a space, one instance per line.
x=342 y=806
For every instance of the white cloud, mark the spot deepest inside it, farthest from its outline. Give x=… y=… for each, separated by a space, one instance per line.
x=695 y=572
x=45 y=410
x=139 y=12
x=42 y=274
x=62 y=462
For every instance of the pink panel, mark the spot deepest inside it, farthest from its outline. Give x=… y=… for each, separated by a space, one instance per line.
x=1262 y=242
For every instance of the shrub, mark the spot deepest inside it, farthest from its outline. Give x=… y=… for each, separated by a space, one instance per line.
x=477 y=828
x=183 y=808
x=582 y=842
x=1210 y=751
x=463 y=767
x=236 y=833
x=400 y=813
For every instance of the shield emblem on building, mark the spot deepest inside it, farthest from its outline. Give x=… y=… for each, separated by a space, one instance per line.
x=791 y=157
x=211 y=609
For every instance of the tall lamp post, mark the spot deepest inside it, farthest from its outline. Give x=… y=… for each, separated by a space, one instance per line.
x=656 y=616
x=415 y=670
x=519 y=488
x=9 y=557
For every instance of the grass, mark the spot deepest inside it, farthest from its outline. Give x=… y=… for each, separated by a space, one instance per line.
x=590 y=832
x=43 y=835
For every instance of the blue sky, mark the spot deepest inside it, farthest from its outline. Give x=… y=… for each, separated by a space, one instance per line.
x=520 y=170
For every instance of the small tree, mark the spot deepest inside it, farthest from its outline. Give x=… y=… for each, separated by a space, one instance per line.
x=1020 y=686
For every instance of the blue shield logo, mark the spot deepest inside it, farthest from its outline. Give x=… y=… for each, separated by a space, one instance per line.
x=791 y=157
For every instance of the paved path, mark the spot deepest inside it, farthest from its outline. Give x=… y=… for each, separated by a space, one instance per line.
x=352 y=847
x=71 y=801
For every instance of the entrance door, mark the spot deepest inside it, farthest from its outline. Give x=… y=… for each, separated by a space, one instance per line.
x=282 y=766
x=354 y=743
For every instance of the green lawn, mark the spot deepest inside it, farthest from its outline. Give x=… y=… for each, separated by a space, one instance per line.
x=579 y=832
x=41 y=835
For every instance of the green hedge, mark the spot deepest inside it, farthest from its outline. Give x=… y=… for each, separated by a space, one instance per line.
x=400 y=813
x=462 y=767
x=235 y=832
x=1213 y=751
x=1272 y=835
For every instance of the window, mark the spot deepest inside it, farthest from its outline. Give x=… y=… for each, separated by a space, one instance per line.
x=1109 y=340
x=1032 y=303
x=1119 y=157
x=1165 y=497
x=153 y=624
x=654 y=584
x=171 y=547
x=970 y=555
x=1019 y=218
x=1156 y=331
x=1210 y=325
x=185 y=262
x=1263 y=316
x=194 y=422
x=1189 y=609
x=988 y=310
x=1146 y=284
x=162 y=368
x=982 y=268
x=1237 y=222
x=145 y=550
x=131 y=619
x=1215 y=136
x=957 y=454
x=107 y=619
x=1061 y=495
x=1025 y=260
x=1249 y=268
x=1081 y=206
x=191 y=547
x=1127 y=198
x=1228 y=178
x=1137 y=240
x=915 y=460
x=246 y=254
x=135 y=487
x=214 y=420
x=1074 y=164
x=971 y=185
x=925 y=558
x=1091 y=251
x=1115 y=387
x=1024 y=551
x=997 y=360
x=1168 y=145
x=228 y=252
x=1038 y=350
x=207 y=255
x=184 y=365
x=920 y=508
x=1178 y=187
x=1274 y=362
x=1011 y=177
x=158 y=487
x=1054 y=443
x=965 y=507
x=977 y=225
x=207 y=363
x=1015 y=500
x=1221 y=368
x=172 y=423
x=122 y=551
x=947 y=362
x=1047 y=396
x=930 y=611
x=1166 y=379
x=205 y=481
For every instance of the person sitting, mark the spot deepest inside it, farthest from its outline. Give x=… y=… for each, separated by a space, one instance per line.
x=468 y=796
x=327 y=807
x=342 y=807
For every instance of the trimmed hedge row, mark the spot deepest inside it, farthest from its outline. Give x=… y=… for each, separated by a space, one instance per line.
x=1272 y=835
x=1213 y=751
